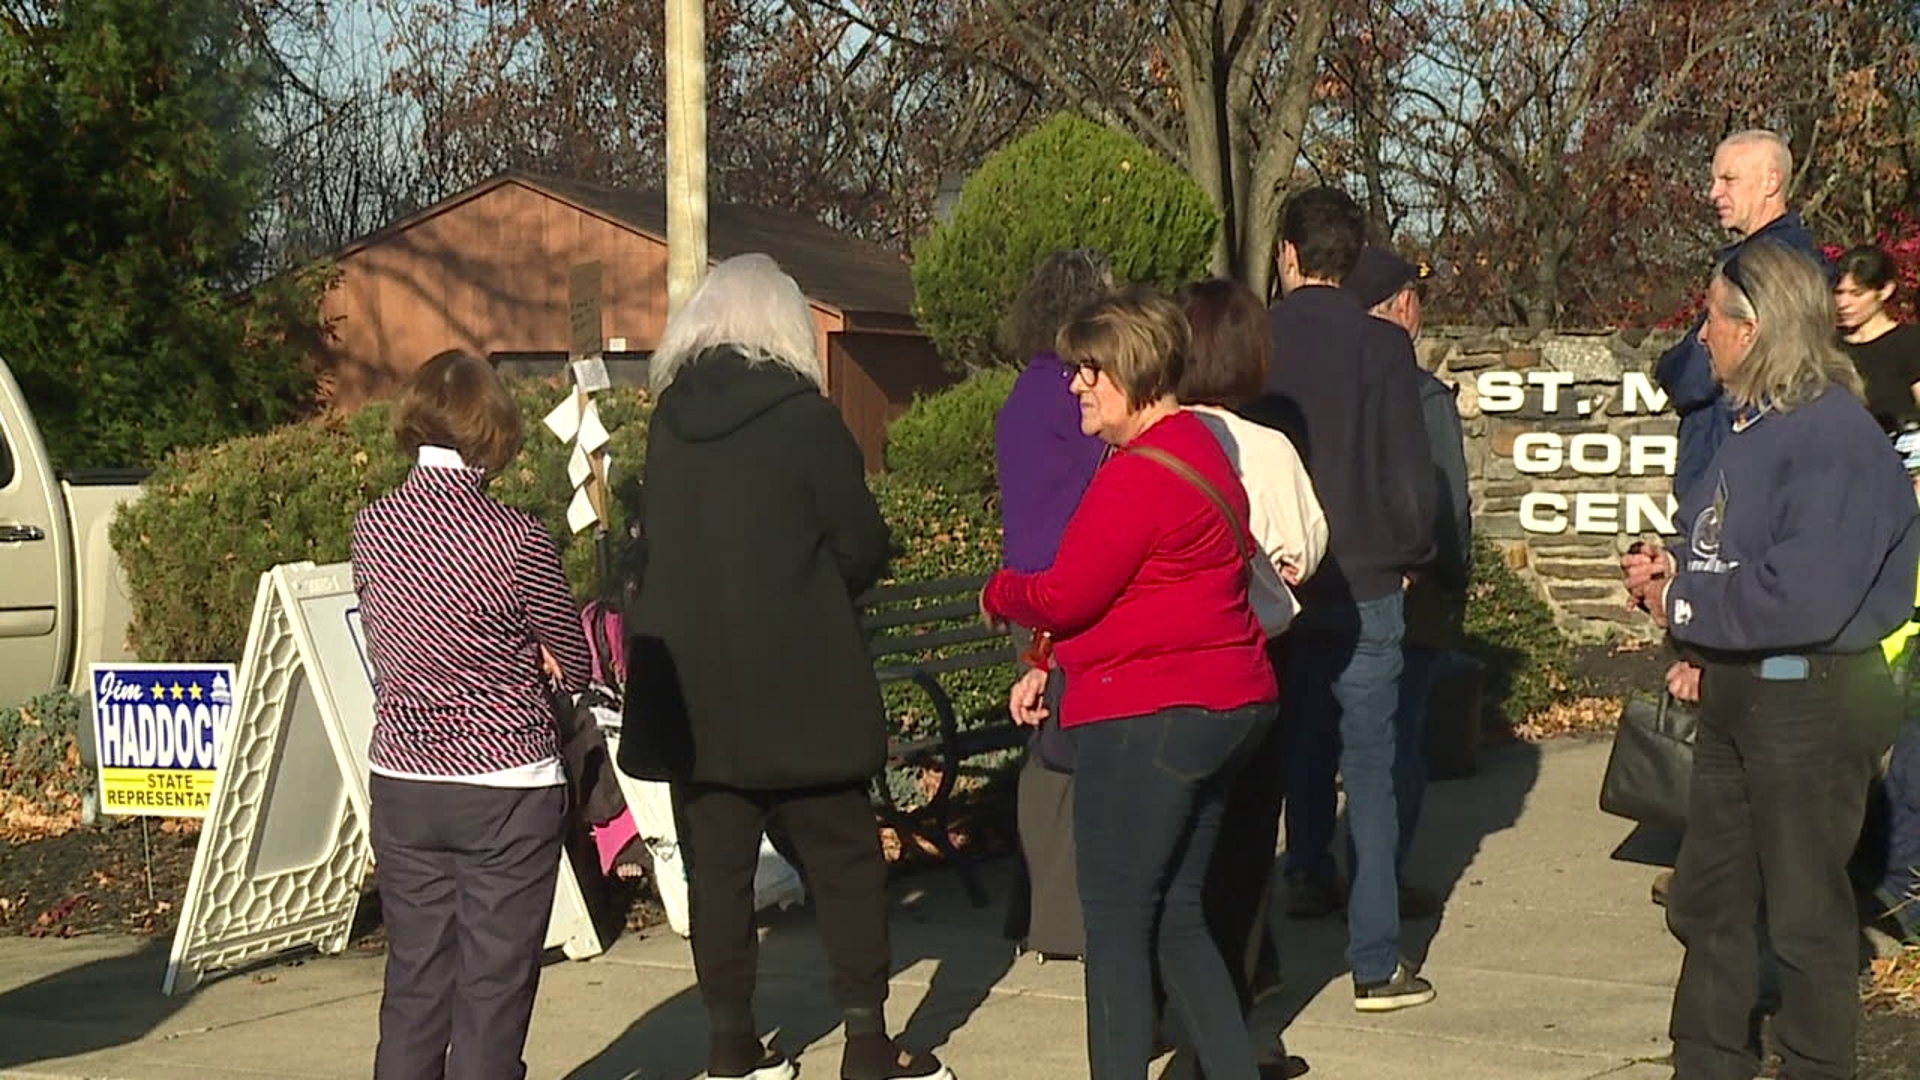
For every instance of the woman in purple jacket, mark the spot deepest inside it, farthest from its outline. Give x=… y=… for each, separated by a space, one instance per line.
x=1044 y=464
x=1044 y=461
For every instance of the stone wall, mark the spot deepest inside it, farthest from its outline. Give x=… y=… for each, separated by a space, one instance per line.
x=1570 y=450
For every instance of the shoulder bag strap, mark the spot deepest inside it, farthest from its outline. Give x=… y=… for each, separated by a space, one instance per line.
x=1192 y=476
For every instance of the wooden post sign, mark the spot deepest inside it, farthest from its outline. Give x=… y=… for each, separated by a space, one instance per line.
x=576 y=420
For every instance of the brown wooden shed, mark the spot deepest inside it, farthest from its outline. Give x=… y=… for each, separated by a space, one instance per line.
x=486 y=271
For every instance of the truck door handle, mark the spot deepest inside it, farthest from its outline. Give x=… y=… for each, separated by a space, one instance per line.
x=14 y=534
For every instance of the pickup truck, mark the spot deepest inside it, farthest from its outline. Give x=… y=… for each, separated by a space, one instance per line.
x=63 y=597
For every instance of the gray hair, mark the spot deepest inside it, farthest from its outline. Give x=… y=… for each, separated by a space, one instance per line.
x=1779 y=154
x=1794 y=356
x=751 y=304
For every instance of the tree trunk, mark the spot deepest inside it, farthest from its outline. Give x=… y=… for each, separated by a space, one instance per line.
x=1260 y=203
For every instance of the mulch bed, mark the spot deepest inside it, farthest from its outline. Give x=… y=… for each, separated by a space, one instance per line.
x=96 y=880
x=90 y=881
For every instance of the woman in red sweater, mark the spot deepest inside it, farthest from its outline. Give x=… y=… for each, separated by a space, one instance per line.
x=1168 y=687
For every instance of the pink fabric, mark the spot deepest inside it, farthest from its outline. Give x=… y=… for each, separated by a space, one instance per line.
x=610 y=839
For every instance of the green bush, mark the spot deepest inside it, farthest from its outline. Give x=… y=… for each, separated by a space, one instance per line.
x=40 y=752
x=1511 y=630
x=939 y=533
x=945 y=440
x=1069 y=183
x=215 y=518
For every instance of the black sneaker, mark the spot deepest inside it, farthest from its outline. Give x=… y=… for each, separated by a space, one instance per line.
x=877 y=1057
x=1315 y=896
x=743 y=1057
x=1403 y=991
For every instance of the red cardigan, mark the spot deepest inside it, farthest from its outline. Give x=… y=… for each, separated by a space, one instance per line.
x=1147 y=597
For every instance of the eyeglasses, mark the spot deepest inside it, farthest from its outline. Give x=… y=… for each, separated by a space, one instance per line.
x=1089 y=370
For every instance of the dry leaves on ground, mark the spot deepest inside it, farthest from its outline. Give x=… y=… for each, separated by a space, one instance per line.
x=1578 y=716
x=23 y=820
x=1893 y=982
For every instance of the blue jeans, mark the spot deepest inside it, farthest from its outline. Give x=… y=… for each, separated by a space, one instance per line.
x=1344 y=690
x=1148 y=796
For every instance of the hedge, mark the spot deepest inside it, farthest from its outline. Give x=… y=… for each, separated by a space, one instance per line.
x=945 y=441
x=215 y=518
x=42 y=778
x=1068 y=183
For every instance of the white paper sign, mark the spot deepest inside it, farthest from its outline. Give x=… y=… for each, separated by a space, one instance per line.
x=591 y=374
x=592 y=434
x=580 y=515
x=564 y=420
x=578 y=467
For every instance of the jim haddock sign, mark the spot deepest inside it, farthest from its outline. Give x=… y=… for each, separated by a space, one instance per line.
x=156 y=727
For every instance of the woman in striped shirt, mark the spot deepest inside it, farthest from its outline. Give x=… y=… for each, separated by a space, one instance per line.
x=459 y=594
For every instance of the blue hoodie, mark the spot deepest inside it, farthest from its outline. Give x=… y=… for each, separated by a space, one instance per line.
x=1685 y=374
x=1801 y=537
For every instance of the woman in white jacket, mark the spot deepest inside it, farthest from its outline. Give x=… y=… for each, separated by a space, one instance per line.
x=1232 y=349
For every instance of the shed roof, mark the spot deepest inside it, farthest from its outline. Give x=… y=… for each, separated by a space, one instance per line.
x=832 y=268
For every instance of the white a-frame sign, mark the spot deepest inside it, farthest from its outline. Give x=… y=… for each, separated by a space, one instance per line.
x=284 y=851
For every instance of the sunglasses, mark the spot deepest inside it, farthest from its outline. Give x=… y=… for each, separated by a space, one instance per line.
x=1731 y=271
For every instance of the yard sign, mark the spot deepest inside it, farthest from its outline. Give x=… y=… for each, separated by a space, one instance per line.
x=157 y=729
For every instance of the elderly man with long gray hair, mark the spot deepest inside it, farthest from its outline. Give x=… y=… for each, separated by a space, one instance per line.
x=750 y=686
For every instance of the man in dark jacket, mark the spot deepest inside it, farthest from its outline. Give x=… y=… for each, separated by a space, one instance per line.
x=1751 y=171
x=749 y=684
x=1437 y=600
x=1349 y=383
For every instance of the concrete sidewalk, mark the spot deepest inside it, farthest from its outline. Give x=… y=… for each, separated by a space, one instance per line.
x=1549 y=961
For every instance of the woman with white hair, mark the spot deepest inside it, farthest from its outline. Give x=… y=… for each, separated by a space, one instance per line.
x=1797 y=558
x=750 y=688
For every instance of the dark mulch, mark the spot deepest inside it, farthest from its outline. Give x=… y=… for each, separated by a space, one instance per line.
x=1889 y=1046
x=95 y=880
x=90 y=881
x=1621 y=670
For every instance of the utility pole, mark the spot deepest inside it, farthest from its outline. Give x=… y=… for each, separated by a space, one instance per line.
x=686 y=149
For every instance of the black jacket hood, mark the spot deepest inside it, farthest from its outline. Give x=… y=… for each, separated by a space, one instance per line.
x=721 y=391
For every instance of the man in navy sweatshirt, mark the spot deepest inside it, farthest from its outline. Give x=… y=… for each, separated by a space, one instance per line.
x=1345 y=386
x=1751 y=171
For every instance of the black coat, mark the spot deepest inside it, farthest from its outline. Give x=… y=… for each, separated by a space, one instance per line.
x=747 y=666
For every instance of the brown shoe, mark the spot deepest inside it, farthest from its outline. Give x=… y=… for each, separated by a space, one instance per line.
x=1662 y=884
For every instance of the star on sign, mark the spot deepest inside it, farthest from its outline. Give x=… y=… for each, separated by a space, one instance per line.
x=178 y=692
x=193 y=691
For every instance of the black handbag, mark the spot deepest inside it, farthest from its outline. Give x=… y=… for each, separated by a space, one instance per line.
x=1650 y=772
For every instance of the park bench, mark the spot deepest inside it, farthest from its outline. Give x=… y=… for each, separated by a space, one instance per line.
x=919 y=633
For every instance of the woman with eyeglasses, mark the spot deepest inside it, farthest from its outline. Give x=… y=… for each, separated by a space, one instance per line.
x=1168 y=686
x=1797 y=556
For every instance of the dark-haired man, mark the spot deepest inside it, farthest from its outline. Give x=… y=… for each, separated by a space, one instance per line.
x=1344 y=386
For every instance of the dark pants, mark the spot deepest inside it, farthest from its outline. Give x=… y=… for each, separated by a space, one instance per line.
x=1779 y=788
x=1240 y=878
x=466 y=879
x=1148 y=796
x=833 y=832
x=1902 y=876
x=1343 y=689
